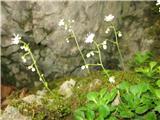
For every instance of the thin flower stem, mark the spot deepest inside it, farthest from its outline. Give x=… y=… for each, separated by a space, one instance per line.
x=93 y=64
x=100 y=59
x=75 y=38
x=117 y=44
x=111 y=41
x=36 y=67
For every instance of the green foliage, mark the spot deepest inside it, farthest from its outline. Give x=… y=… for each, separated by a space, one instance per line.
x=98 y=106
x=136 y=100
x=140 y=101
x=144 y=64
x=141 y=58
x=150 y=71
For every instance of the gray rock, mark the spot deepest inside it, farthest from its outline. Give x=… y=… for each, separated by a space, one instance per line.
x=38 y=22
x=66 y=88
x=11 y=113
x=33 y=99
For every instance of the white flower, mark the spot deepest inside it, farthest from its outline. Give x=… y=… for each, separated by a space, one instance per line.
x=112 y=79
x=84 y=66
x=67 y=40
x=40 y=79
x=109 y=18
x=107 y=31
x=23 y=59
x=104 y=44
x=16 y=39
x=32 y=68
x=90 y=54
x=25 y=48
x=104 y=47
x=61 y=22
x=158 y=2
x=119 y=34
x=72 y=21
x=89 y=38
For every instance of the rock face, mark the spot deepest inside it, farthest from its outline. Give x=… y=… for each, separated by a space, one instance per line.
x=37 y=22
x=12 y=113
x=66 y=89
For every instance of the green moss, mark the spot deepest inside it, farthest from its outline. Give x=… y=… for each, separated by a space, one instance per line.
x=55 y=107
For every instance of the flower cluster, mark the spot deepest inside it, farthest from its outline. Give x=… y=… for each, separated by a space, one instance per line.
x=24 y=59
x=89 y=38
x=97 y=46
x=66 y=24
x=104 y=44
x=109 y=18
x=158 y=3
x=112 y=79
x=31 y=67
x=119 y=34
x=84 y=67
x=16 y=39
x=91 y=53
x=107 y=30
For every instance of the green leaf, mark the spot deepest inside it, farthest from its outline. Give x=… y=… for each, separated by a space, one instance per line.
x=126 y=114
x=112 y=118
x=102 y=92
x=92 y=96
x=158 y=83
x=152 y=64
x=142 y=109
x=124 y=86
x=112 y=95
x=157 y=108
x=79 y=115
x=90 y=114
x=104 y=111
x=91 y=106
x=139 y=89
x=157 y=92
x=100 y=118
x=78 y=118
x=150 y=116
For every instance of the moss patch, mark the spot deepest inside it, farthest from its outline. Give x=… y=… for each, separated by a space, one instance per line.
x=55 y=107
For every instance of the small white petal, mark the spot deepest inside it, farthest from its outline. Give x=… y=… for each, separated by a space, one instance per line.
x=88 y=55
x=86 y=66
x=112 y=79
x=158 y=2
x=83 y=67
x=92 y=53
x=29 y=67
x=89 y=38
x=107 y=31
x=109 y=18
x=22 y=47
x=61 y=22
x=33 y=69
x=16 y=39
x=72 y=21
x=104 y=47
x=104 y=42
x=119 y=34
x=40 y=79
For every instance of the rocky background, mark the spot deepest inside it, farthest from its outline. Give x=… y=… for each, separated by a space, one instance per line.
x=37 y=22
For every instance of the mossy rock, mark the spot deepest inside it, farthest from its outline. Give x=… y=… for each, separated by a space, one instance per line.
x=56 y=107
